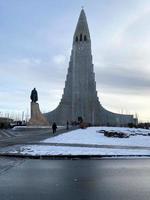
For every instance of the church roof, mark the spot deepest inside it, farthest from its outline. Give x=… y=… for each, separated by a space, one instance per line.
x=82 y=25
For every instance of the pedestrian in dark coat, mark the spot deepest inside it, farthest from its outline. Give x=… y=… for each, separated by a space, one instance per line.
x=67 y=126
x=54 y=127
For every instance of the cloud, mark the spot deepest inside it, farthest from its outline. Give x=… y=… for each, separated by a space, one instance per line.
x=59 y=59
x=22 y=76
x=122 y=80
x=28 y=61
x=30 y=70
x=124 y=64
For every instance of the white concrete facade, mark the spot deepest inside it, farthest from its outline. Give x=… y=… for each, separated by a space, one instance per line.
x=80 y=96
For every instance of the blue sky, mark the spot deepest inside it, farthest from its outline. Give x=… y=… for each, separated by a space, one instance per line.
x=36 y=40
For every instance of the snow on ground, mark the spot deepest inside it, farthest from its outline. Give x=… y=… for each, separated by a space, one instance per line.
x=92 y=136
x=55 y=150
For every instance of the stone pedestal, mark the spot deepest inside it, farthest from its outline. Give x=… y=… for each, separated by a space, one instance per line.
x=37 y=118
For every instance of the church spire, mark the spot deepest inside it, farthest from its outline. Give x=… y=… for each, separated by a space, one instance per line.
x=82 y=30
x=80 y=98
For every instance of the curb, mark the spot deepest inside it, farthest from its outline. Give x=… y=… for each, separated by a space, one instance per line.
x=71 y=157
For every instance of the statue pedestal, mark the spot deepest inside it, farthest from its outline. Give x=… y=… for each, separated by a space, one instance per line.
x=37 y=118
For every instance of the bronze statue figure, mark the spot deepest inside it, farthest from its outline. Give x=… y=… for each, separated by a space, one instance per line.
x=34 y=95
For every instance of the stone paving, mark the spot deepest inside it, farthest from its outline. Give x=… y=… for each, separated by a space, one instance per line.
x=26 y=137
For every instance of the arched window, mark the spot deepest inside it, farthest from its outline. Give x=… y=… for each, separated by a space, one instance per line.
x=80 y=37
x=85 y=38
x=76 y=38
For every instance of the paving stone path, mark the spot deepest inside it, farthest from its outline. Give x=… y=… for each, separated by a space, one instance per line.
x=25 y=137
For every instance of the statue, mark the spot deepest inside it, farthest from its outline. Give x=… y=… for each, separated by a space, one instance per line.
x=34 y=95
x=37 y=118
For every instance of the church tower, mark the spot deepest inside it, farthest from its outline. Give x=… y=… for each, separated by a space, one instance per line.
x=84 y=95
x=80 y=96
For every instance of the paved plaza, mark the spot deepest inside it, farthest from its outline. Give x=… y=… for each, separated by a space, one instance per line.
x=74 y=179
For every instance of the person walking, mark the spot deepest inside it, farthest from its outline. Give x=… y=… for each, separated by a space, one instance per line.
x=54 y=127
x=67 y=126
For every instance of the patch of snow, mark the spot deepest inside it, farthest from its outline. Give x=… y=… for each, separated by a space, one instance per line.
x=55 y=150
x=92 y=135
x=89 y=136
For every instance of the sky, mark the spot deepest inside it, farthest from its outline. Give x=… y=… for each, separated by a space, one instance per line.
x=36 y=41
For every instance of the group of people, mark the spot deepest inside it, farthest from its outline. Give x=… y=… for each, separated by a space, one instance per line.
x=54 y=127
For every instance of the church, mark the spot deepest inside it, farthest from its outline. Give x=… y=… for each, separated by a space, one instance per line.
x=80 y=99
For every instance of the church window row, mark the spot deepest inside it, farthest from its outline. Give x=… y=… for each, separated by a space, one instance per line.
x=81 y=38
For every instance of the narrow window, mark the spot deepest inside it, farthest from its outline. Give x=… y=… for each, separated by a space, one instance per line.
x=80 y=37
x=76 y=38
x=85 y=38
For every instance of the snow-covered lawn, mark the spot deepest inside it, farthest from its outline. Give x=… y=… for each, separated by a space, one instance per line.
x=89 y=136
x=92 y=136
